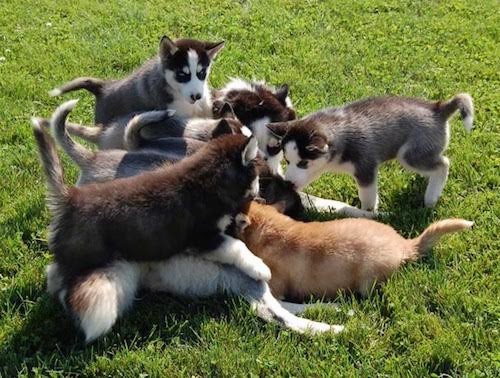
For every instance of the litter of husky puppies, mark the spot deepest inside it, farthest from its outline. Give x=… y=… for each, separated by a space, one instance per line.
x=170 y=199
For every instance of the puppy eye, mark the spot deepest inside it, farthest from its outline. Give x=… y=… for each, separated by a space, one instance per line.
x=202 y=74
x=273 y=150
x=181 y=76
x=302 y=164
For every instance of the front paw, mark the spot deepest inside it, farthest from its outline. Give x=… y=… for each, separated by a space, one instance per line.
x=258 y=270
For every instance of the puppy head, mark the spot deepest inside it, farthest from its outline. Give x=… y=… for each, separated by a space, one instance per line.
x=305 y=148
x=186 y=65
x=236 y=166
x=280 y=194
x=256 y=105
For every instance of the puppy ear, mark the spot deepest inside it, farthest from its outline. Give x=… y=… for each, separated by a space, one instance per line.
x=167 y=47
x=213 y=48
x=278 y=129
x=250 y=151
x=222 y=128
x=227 y=111
x=318 y=144
x=282 y=93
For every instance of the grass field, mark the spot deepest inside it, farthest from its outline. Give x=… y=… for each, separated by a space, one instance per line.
x=437 y=317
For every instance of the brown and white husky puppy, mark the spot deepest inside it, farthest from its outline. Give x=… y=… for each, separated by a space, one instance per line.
x=321 y=258
x=256 y=104
x=358 y=137
x=176 y=79
x=99 y=296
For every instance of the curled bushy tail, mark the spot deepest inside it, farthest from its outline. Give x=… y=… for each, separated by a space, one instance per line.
x=51 y=164
x=462 y=102
x=90 y=84
x=421 y=244
x=77 y=152
x=132 y=138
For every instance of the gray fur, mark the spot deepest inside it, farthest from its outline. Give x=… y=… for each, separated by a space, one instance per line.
x=366 y=133
x=146 y=88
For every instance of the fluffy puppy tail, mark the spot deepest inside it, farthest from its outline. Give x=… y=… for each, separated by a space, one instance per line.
x=431 y=235
x=77 y=152
x=90 y=134
x=132 y=138
x=97 y=298
x=51 y=165
x=93 y=85
x=462 y=102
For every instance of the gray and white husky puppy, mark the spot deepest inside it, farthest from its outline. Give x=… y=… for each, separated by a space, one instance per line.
x=358 y=137
x=96 y=299
x=177 y=79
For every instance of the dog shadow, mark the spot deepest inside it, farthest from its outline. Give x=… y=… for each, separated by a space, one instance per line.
x=49 y=334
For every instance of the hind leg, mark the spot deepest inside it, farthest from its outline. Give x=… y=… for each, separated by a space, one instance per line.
x=434 y=167
x=366 y=178
x=437 y=180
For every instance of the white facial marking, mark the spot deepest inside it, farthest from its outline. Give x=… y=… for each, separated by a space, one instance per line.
x=250 y=152
x=246 y=131
x=298 y=176
x=193 y=87
x=199 y=67
x=254 y=188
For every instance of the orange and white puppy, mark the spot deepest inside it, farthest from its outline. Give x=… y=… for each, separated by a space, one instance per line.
x=321 y=258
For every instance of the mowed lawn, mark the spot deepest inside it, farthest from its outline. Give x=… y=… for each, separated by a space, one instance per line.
x=436 y=317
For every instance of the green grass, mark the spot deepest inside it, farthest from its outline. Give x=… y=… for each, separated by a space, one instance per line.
x=437 y=316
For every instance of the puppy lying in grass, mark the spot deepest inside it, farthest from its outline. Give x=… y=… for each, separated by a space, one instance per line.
x=321 y=258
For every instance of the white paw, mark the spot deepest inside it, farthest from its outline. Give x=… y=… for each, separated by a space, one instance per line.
x=318 y=327
x=258 y=270
x=337 y=328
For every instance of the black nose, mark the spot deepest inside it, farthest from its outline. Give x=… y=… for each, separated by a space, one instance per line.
x=195 y=97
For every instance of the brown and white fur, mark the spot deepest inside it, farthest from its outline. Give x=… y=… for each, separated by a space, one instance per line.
x=321 y=258
x=176 y=79
x=99 y=297
x=358 y=137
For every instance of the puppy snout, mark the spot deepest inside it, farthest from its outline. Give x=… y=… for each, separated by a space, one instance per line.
x=196 y=97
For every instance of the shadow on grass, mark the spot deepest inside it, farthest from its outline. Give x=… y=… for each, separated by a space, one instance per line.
x=49 y=338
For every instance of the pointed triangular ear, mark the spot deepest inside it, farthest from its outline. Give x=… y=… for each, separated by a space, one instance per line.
x=222 y=128
x=227 y=111
x=167 y=47
x=213 y=48
x=250 y=151
x=278 y=129
x=282 y=93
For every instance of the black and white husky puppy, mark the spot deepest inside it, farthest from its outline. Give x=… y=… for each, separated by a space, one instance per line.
x=98 y=297
x=257 y=104
x=358 y=137
x=176 y=79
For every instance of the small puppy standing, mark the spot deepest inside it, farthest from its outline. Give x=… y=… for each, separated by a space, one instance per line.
x=176 y=79
x=358 y=137
x=321 y=258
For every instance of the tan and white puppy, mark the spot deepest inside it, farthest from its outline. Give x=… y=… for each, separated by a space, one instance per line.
x=321 y=258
